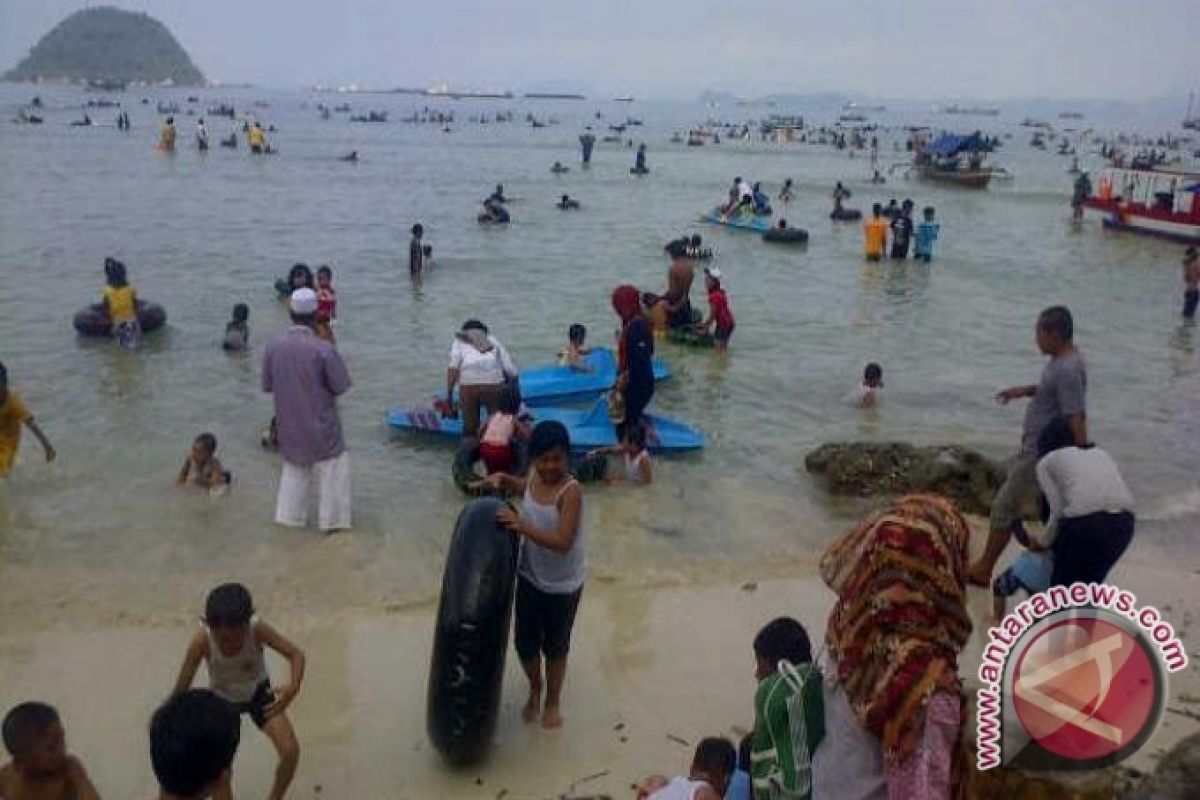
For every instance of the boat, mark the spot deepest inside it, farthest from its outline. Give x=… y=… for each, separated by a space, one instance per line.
x=546 y=385
x=941 y=161
x=1070 y=115
x=1152 y=202
x=589 y=428
x=625 y=99
x=747 y=222
x=552 y=96
x=971 y=111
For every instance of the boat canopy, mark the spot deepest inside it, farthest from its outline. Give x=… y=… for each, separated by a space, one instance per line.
x=950 y=144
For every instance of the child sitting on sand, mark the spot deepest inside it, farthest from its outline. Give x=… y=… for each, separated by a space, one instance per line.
x=237 y=330
x=203 y=467
x=867 y=393
x=120 y=299
x=789 y=711
x=326 y=303
x=14 y=414
x=576 y=350
x=41 y=768
x=637 y=468
x=231 y=641
x=498 y=432
x=552 y=565
x=712 y=766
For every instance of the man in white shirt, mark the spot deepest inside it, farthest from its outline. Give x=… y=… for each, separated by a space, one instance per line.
x=1090 y=521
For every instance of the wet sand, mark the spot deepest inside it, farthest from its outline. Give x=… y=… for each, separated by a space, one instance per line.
x=653 y=669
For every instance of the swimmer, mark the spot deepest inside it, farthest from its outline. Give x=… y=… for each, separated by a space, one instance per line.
x=567 y=204
x=299 y=277
x=786 y=194
x=877 y=178
x=696 y=249
x=237 y=330
x=352 y=156
x=559 y=169
x=257 y=139
x=497 y=196
x=576 y=350
x=637 y=468
x=202 y=466
x=866 y=395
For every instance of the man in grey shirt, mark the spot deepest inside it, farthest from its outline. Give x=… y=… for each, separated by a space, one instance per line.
x=1061 y=392
x=306 y=375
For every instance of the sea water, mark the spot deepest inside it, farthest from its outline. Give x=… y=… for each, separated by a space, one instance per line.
x=104 y=535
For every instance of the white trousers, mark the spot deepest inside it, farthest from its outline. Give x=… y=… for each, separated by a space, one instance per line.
x=332 y=477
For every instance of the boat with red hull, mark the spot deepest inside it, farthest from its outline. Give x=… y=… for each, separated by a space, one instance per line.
x=1152 y=202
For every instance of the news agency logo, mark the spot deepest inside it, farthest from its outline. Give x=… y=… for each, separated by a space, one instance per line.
x=1075 y=678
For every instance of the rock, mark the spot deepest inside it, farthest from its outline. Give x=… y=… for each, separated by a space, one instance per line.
x=1177 y=776
x=864 y=469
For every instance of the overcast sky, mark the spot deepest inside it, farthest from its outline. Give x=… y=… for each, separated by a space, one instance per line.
x=676 y=48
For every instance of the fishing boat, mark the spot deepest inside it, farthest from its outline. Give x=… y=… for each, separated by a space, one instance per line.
x=942 y=161
x=1152 y=202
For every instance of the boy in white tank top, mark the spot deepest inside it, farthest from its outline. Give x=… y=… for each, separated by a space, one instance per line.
x=712 y=767
x=231 y=642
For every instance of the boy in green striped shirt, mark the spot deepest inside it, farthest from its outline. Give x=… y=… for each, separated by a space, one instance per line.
x=789 y=713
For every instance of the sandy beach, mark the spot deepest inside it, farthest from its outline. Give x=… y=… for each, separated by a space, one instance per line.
x=654 y=668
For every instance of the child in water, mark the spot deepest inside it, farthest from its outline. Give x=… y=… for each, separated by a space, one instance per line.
x=41 y=768
x=326 y=303
x=637 y=468
x=867 y=394
x=203 y=467
x=496 y=437
x=551 y=568
x=13 y=414
x=427 y=257
x=720 y=318
x=576 y=350
x=232 y=640
x=237 y=330
x=299 y=277
x=927 y=234
x=120 y=299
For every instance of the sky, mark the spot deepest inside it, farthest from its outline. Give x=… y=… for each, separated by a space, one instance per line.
x=675 y=49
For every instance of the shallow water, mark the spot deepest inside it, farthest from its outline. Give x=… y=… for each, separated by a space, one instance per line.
x=201 y=232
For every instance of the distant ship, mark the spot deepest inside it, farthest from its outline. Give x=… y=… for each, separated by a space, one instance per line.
x=552 y=96
x=625 y=99
x=1070 y=115
x=971 y=111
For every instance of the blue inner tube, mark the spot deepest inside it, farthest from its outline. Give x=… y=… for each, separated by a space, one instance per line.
x=470 y=639
x=94 y=320
x=786 y=236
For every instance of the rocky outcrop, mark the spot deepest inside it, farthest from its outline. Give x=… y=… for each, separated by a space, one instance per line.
x=863 y=469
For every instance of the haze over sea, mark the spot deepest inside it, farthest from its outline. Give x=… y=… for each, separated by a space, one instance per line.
x=200 y=232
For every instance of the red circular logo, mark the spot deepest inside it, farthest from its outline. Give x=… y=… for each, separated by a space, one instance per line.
x=1085 y=689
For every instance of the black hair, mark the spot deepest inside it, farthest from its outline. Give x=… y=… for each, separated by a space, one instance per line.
x=300 y=269
x=577 y=333
x=474 y=325
x=565 y=198
x=783 y=639
x=676 y=249
x=636 y=435
x=24 y=724
x=241 y=312
x=745 y=745
x=114 y=272
x=548 y=435
x=208 y=440
x=695 y=240
x=228 y=606
x=193 y=739
x=928 y=211
x=908 y=203
x=1055 y=436
x=876 y=209
x=716 y=756
x=170 y=120
x=782 y=224
x=427 y=249
x=1057 y=320
x=3 y=374
x=507 y=402
x=418 y=230
x=873 y=372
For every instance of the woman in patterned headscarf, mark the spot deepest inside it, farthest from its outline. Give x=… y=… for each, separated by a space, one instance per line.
x=895 y=709
x=635 y=352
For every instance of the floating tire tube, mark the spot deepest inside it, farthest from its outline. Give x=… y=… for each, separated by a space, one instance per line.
x=636 y=171
x=470 y=639
x=846 y=215
x=786 y=236
x=585 y=468
x=690 y=338
x=94 y=320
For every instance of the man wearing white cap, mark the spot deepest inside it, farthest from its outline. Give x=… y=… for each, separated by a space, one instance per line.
x=306 y=375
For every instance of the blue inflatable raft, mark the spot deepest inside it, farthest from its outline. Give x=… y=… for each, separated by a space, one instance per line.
x=747 y=222
x=548 y=385
x=589 y=428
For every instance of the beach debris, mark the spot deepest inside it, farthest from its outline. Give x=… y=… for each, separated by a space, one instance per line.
x=678 y=740
x=751 y=586
x=868 y=469
x=569 y=794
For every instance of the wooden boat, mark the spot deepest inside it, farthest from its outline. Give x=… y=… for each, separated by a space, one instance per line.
x=967 y=178
x=1161 y=203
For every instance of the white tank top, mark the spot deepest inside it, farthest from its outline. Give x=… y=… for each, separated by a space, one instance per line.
x=553 y=573
x=236 y=677
x=679 y=788
x=633 y=466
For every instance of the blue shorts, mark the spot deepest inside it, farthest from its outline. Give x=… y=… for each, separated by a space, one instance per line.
x=1031 y=572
